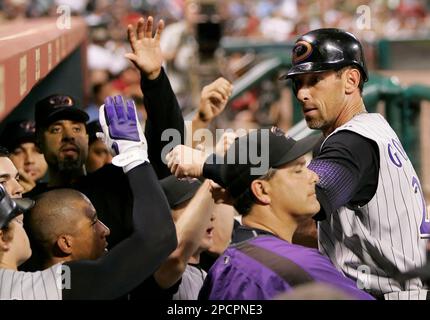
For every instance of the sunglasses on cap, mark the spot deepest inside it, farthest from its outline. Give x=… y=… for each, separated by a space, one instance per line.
x=61 y=101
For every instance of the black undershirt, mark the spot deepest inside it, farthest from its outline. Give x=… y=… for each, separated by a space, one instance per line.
x=164 y=113
x=360 y=156
x=108 y=188
x=357 y=154
x=137 y=257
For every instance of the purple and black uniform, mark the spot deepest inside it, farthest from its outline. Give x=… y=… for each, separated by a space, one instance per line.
x=238 y=276
x=375 y=218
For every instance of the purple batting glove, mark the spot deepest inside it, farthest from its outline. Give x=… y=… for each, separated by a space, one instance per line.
x=121 y=119
x=122 y=132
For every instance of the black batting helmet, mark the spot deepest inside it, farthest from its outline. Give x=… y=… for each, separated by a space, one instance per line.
x=10 y=208
x=326 y=49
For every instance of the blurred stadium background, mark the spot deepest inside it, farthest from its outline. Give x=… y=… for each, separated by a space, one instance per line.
x=76 y=47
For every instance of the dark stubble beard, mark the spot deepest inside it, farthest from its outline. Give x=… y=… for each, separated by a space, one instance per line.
x=316 y=124
x=69 y=165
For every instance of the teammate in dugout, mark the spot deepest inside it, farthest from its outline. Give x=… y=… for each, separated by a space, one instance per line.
x=373 y=217
x=272 y=205
x=137 y=257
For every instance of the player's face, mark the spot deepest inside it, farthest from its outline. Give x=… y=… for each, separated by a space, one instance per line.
x=293 y=189
x=90 y=234
x=28 y=158
x=9 y=178
x=20 y=244
x=223 y=227
x=207 y=239
x=98 y=156
x=322 y=97
x=65 y=145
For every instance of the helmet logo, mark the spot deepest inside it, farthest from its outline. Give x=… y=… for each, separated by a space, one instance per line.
x=301 y=51
x=28 y=126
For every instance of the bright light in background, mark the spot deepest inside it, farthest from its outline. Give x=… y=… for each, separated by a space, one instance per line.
x=392 y=4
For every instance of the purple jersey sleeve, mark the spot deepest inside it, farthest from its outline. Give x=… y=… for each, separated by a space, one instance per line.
x=337 y=183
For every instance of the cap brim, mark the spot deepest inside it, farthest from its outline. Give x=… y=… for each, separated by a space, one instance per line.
x=300 y=148
x=24 y=204
x=314 y=67
x=11 y=144
x=187 y=196
x=179 y=191
x=67 y=113
x=303 y=68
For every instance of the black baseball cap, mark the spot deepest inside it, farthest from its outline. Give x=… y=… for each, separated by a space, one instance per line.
x=10 y=208
x=92 y=128
x=179 y=191
x=239 y=168
x=18 y=132
x=58 y=107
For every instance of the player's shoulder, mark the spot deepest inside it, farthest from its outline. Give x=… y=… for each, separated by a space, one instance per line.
x=346 y=138
x=284 y=249
x=349 y=143
x=39 y=285
x=107 y=173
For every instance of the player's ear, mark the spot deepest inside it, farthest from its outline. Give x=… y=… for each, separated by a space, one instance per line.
x=352 y=80
x=65 y=243
x=5 y=239
x=260 y=189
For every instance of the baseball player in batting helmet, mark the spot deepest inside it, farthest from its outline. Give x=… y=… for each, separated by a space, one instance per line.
x=373 y=218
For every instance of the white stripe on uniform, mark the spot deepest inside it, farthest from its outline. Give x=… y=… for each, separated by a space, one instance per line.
x=40 y=285
x=192 y=282
x=387 y=229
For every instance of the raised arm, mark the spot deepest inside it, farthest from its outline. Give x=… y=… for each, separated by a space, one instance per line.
x=159 y=99
x=154 y=237
x=190 y=229
x=213 y=99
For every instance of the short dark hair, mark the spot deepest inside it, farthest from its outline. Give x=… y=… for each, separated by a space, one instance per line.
x=4 y=152
x=244 y=202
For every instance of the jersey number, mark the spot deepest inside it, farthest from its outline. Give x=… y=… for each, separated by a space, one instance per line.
x=425 y=224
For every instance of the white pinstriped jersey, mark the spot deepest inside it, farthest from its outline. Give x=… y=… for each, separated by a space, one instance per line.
x=40 y=285
x=192 y=282
x=369 y=242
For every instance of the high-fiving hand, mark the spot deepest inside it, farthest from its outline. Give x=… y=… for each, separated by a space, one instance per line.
x=122 y=132
x=146 y=54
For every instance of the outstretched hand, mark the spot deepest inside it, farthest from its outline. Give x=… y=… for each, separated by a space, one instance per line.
x=185 y=162
x=122 y=132
x=146 y=54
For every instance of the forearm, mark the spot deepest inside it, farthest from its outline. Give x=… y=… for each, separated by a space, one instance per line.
x=197 y=124
x=190 y=229
x=336 y=184
x=194 y=221
x=135 y=258
x=212 y=168
x=152 y=218
x=163 y=113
